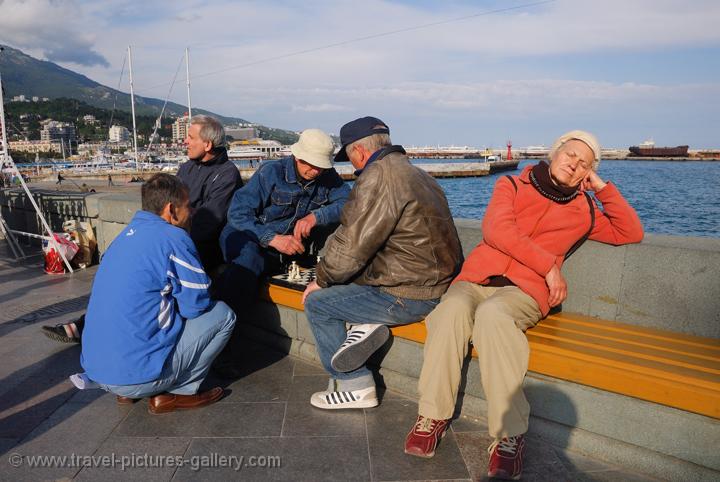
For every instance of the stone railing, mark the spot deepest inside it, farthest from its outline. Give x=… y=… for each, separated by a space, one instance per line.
x=668 y=282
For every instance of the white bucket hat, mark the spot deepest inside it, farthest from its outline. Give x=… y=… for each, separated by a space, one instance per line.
x=314 y=147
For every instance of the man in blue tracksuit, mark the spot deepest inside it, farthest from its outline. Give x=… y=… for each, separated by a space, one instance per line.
x=151 y=329
x=276 y=213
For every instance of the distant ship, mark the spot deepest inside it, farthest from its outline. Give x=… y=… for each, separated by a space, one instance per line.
x=648 y=149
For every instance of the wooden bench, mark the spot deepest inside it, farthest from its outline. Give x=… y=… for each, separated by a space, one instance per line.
x=673 y=369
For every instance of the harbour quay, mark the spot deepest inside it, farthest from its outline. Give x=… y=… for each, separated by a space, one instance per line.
x=346 y=171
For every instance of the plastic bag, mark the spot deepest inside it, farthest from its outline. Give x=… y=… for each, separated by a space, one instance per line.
x=53 y=261
x=82 y=234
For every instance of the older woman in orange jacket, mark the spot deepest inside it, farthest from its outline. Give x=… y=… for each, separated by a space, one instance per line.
x=507 y=284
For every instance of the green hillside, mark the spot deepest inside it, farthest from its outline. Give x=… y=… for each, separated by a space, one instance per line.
x=23 y=74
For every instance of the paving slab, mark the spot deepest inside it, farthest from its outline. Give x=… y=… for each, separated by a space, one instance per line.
x=286 y=458
x=136 y=458
x=218 y=420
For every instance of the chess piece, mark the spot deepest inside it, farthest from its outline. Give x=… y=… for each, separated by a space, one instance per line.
x=294 y=272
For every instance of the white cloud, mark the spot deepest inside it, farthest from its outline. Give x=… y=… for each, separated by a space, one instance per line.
x=56 y=30
x=319 y=108
x=489 y=73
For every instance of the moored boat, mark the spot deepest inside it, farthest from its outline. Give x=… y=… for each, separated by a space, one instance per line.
x=648 y=149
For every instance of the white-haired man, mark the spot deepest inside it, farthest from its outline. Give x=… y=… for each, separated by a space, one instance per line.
x=212 y=180
x=391 y=259
x=508 y=283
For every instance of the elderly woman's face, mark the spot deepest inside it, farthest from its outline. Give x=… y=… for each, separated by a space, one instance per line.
x=571 y=163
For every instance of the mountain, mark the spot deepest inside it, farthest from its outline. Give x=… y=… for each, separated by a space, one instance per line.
x=23 y=74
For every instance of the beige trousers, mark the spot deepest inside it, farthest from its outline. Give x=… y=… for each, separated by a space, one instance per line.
x=495 y=319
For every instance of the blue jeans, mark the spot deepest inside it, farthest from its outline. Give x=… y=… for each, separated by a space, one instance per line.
x=187 y=365
x=330 y=308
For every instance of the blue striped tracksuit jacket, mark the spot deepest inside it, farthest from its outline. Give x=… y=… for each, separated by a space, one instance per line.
x=149 y=282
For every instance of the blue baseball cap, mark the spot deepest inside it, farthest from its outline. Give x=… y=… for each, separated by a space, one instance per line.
x=357 y=129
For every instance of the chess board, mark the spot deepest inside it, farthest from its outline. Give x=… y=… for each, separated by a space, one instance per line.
x=306 y=276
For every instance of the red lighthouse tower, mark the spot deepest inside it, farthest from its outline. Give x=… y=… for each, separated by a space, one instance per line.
x=509 y=152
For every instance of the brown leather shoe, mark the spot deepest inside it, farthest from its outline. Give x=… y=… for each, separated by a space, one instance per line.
x=169 y=402
x=126 y=400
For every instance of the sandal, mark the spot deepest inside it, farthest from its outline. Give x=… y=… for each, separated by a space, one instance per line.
x=58 y=333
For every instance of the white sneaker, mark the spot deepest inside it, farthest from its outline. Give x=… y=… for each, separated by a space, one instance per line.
x=361 y=342
x=82 y=382
x=333 y=400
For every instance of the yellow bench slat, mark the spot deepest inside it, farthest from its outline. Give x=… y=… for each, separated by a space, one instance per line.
x=674 y=369
x=676 y=337
x=629 y=347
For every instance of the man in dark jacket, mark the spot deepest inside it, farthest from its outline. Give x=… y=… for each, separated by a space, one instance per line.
x=391 y=259
x=212 y=180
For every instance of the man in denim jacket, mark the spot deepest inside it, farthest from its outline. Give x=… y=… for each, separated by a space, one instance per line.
x=283 y=208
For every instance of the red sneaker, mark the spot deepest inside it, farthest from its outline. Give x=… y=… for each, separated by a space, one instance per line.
x=506 y=458
x=424 y=436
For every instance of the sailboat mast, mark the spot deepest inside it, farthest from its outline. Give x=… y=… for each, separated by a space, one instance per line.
x=132 y=107
x=3 y=133
x=187 y=75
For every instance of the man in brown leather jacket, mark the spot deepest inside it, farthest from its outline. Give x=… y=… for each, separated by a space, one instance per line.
x=391 y=259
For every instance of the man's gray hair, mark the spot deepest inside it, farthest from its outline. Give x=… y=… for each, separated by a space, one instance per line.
x=210 y=130
x=372 y=143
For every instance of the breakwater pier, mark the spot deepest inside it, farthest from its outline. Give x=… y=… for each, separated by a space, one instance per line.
x=346 y=171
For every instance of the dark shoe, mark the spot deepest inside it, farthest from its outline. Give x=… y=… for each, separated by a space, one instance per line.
x=361 y=342
x=169 y=402
x=125 y=400
x=58 y=333
x=424 y=436
x=506 y=458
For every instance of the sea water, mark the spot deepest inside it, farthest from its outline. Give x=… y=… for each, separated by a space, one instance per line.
x=677 y=198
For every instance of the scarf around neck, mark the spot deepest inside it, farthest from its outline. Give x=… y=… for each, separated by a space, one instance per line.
x=540 y=179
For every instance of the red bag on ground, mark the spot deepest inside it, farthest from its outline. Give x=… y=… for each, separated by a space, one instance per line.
x=53 y=261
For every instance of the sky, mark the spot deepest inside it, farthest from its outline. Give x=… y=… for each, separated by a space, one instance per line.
x=445 y=72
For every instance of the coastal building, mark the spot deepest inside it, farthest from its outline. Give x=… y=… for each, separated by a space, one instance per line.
x=257 y=148
x=53 y=131
x=19 y=98
x=34 y=146
x=90 y=119
x=241 y=133
x=119 y=134
x=179 y=128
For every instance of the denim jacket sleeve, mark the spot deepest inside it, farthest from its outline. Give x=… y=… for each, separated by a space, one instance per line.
x=247 y=205
x=337 y=196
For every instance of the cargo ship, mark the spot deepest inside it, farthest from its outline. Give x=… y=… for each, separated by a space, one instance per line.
x=648 y=149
